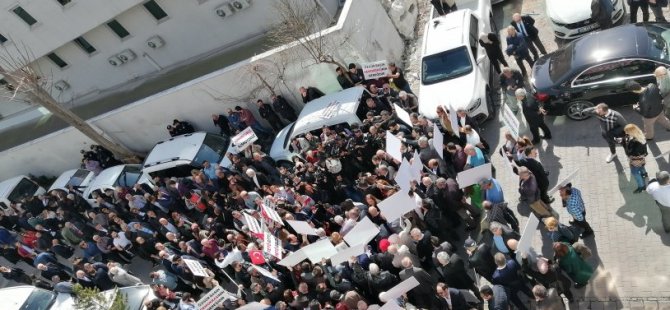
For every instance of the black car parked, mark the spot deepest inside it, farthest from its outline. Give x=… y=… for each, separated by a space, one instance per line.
x=596 y=67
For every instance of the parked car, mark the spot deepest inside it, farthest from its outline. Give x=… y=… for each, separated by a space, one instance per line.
x=596 y=67
x=17 y=188
x=572 y=19
x=77 y=178
x=177 y=156
x=455 y=70
x=26 y=297
x=110 y=178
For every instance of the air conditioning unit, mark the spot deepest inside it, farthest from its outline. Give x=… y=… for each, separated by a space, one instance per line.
x=225 y=10
x=61 y=85
x=240 y=5
x=114 y=61
x=155 y=42
x=127 y=55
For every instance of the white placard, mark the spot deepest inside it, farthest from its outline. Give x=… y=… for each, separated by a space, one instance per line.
x=453 y=117
x=404 y=175
x=231 y=257
x=244 y=139
x=196 y=268
x=272 y=245
x=253 y=306
x=293 y=259
x=564 y=182
x=417 y=167
x=302 y=228
x=252 y=223
x=272 y=214
x=402 y=288
x=214 y=298
x=375 y=70
x=266 y=273
x=402 y=115
x=393 y=145
x=364 y=231
x=526 y=240
x=510 y=120
x=397 y=205
x=438 y=141
x=320 y=250
x=473 y=175
x=344 y=255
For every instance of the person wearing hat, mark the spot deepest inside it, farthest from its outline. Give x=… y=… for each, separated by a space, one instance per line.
x=660 y=190
x=480 y=258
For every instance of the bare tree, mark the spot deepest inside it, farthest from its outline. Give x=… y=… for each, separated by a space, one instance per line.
x=303 y=22
x=27 y=82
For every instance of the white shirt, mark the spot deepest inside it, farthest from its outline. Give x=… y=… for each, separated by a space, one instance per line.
x=661 y=193
x=121 y=241
x=473 y=138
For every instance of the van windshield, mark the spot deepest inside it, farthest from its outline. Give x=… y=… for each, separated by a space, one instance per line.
x=39 y=299
x=213 y=149
x=25 y=188
x=129 y=176
x=445 y=66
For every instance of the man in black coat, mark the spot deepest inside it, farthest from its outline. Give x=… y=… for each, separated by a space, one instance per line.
x=650 y=106
x=283 y=108
x=266 y=112
x=451 y=270
x=422 y=295
x=344 y=78
x=463 y=120
x=480 y=258
x=310 y=93
x=222 y=122
x=526 y=26
x=491 y=43
x=534 y=115
x=448 y=298
x=538 y=171
x=424 y=247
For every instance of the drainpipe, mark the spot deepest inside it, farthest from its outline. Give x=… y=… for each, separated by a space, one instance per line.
x=152 y=61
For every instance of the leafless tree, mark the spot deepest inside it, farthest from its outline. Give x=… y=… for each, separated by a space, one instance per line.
x=28 y=84
x=302 y=22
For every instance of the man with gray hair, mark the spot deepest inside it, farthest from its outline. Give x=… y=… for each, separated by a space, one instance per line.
x=534 y=114
x=422 y=295
x=451 y=270
x=408 y=102
x=428 y=152
x=660 y=190
x=547 y=299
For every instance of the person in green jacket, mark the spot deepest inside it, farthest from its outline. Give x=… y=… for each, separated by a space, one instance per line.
x=574 y=266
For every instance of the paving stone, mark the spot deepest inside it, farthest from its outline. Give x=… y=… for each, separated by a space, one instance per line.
x=664 y=305
x=637 y=305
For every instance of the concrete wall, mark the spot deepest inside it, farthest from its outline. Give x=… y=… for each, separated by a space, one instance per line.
x=141 y=124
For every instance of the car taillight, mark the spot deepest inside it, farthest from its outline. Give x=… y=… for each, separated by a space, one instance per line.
x=541 y=97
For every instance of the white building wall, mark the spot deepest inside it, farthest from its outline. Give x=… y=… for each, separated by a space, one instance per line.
x=141 y=124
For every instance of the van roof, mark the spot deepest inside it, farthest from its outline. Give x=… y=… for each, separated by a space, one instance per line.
x=175 y=148
x=451 y=30
x=330 y=109
x=7 y=185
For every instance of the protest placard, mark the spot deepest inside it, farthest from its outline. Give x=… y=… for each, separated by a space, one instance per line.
x=196 y=268
x=302 y=227
x=375 y=70
x=364 y=231
x=474 y=175
x=244 y=139
x=438 y=141
x=393 y=145
x=510 y=120
x=396 y=206
x=214 y=298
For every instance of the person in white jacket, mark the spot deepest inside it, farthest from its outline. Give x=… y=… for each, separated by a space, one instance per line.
x=121 y=277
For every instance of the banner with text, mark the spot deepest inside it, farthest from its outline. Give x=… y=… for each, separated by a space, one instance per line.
x=375 y=70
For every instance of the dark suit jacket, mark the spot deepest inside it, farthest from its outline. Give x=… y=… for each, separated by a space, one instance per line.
x=421 y=296
x=529 y=24
x=538 y=171
x=458 y=301
x=454 y=274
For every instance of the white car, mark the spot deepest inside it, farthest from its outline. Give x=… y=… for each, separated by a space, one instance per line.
x=571 y=19
x=17 y=188
x=455 y=71
x=110 y=178
x=26 y=297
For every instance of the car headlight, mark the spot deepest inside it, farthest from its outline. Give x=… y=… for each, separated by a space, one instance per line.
x=475 y=105
x=561 y=24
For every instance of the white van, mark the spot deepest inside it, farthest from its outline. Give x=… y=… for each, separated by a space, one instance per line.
x=110 y=178
x=17 y=188
x=346 y=106
x=455 y=70
x=177 y=156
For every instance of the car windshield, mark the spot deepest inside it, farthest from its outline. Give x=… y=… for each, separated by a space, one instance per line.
x=561 y=62
x=25 y=188
x=445 y=66
x=77 y=178
x=213 y=148
x=39 y=299
x=658 y=41
x=129 y=176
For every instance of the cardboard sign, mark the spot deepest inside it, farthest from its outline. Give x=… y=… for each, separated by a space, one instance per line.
x=404 y=175
x=252 y=223
x=214 y=298
x=474 y=175
x=344 y=255
x=402 y=288
x=402 y=115
x=302 y=228
x=510 y=120
x=272 y=245
x=293 y=259
x=526 y=240
x=375 y=70
x=453 y=117
x=319 y=250
x=417 y=167
x=253 y=306
x=196 y=268
x=364 y=231
x=272 y=214
x=438 y=141
x=244 y=139
x=393 y=145
x=564 y=182
x=266 y=273
x=396 y=206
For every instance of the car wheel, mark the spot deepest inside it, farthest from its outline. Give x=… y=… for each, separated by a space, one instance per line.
x=575 y=110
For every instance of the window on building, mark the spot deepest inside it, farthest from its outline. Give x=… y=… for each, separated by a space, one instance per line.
x=155 y=10
x=118 y=29
x=85 y=45
x=64 y=2
x=3 y=39
x=57 y=60
x=21 y=13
